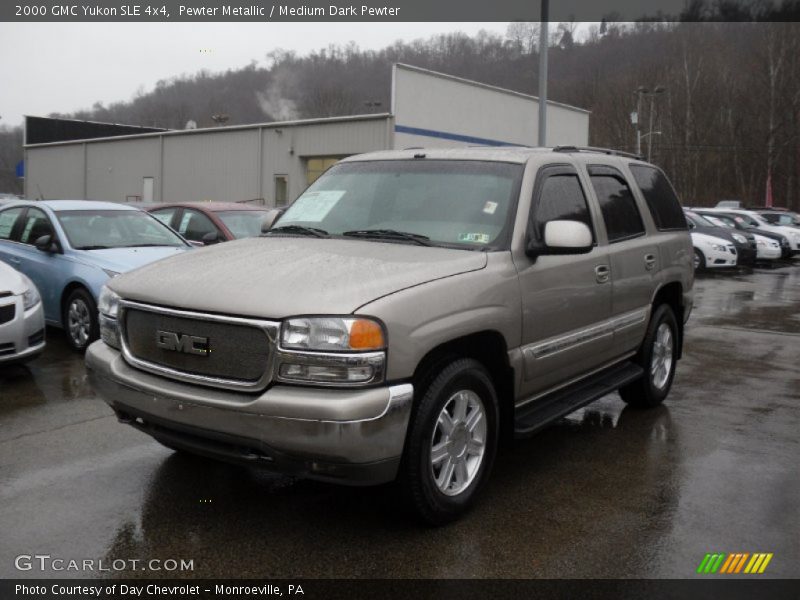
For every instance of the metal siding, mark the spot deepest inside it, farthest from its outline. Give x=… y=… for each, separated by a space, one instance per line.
x=55 y=172
x=116 y=169
x=220 y=165
x=285 y=153
x=430 y=102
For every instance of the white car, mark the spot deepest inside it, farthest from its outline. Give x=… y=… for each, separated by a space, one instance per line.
x=756 y=220
x=766 y=248
x=711 y=252
x=21 y=318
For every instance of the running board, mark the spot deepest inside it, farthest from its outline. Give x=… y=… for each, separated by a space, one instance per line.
x=543 y=411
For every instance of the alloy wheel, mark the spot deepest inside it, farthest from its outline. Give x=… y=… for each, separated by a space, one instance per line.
x=458 y=444
x=661 y=361
x=79 y=322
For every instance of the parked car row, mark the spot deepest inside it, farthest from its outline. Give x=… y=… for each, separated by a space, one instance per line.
x=727 y=237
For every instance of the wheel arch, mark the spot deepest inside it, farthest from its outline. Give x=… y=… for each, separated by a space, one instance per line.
x=65 y=293
x=671 y=293
x=489 y=348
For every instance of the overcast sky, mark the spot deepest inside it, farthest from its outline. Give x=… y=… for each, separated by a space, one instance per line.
x=63 y=67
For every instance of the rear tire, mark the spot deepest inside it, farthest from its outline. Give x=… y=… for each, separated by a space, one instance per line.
x=657 y=356
x=80 y=319
x=452 y=442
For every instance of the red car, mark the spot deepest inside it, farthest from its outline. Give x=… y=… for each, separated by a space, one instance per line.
x=212 y=222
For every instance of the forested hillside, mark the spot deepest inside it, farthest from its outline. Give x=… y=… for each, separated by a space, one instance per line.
x=729 y=114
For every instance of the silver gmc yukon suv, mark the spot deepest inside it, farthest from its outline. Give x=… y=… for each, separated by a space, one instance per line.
x=405 y=314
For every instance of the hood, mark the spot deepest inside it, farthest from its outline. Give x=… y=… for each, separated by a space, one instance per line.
x=276 y=277
x=11 y=280
x=718 y=232
x=123 y=260
x=703 y=238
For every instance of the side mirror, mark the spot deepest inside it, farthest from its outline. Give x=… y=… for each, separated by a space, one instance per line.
x=562 y=237
x=272 y=216
x=46 y=244
x=212 y=237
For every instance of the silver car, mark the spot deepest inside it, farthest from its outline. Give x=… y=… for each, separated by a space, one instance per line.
x=406 y=312
x=22 y=332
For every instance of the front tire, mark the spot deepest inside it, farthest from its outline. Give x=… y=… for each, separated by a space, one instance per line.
x=452 y=442
x=657 y=356
x=699 y=260
x=80 y=319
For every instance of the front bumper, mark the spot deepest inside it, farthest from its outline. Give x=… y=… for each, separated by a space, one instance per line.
x=349 y=436
x=23 y=338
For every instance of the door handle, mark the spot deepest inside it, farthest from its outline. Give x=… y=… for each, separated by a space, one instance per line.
x=602 y=273
x=649 y=261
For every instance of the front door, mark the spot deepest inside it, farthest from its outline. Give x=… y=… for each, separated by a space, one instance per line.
x=566 y=299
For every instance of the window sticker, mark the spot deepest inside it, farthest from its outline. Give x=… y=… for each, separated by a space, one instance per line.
x=475 y=238
x=313 y=206
x=490 y=207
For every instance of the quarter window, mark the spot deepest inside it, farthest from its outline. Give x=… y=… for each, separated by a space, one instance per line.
x=617 y=204
x=660 y=197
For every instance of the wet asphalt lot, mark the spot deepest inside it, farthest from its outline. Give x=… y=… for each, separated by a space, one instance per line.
x=606 y=492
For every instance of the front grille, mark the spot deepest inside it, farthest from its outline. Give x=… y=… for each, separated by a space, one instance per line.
x=7 y=313
x=6 y=349
x=237 y=353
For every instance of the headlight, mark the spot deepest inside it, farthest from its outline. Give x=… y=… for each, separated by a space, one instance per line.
x=108 y=303
x=341 y=351
x=775 y=244
x=332 y=333
x=108 y=307
x=30 y=297
x=739 y=238
x=111 y=273
x=719 y=248
x=762 y=243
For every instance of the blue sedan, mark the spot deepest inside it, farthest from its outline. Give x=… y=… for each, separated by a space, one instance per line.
x=70 y=248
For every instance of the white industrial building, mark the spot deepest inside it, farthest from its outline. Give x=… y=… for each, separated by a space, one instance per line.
x=274 y=162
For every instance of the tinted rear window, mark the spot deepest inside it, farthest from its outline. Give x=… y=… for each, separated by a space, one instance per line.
x=660 y=197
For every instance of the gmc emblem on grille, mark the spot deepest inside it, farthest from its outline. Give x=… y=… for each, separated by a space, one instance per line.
x=179 y=342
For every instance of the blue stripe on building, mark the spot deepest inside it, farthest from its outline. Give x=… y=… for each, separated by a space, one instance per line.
x=456 y=137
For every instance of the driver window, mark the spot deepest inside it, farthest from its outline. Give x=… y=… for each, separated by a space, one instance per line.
x=36 y=225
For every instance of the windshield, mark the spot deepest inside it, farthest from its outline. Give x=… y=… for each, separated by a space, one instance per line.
x=780 y=218
x=745 y=220
x=100 y=229
x=719 y=222
x=452 y=203
x=699 y=220
x=243 y=223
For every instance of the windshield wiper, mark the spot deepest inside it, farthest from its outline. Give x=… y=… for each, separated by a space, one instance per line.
x=92 y=247
x=315 y=231
x=149 y=246
x=390 y=234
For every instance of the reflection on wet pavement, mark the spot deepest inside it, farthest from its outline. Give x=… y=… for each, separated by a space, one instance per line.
x=608 y=491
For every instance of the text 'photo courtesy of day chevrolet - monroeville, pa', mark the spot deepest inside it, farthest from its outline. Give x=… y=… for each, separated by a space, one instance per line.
x=400 y=299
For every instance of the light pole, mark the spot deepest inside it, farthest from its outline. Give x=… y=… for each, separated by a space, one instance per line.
x=643 y=91
x=543 y=73
x=659 y=90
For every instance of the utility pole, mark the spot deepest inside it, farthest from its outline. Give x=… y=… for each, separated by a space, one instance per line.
x=543 y=74
x=653 y=94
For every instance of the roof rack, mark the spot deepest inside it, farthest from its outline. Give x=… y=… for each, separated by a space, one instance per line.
x=609 y=151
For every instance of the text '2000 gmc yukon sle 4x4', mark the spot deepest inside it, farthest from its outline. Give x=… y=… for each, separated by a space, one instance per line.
x=405 y=313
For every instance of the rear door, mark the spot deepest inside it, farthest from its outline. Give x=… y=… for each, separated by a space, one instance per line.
x=632 y=254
